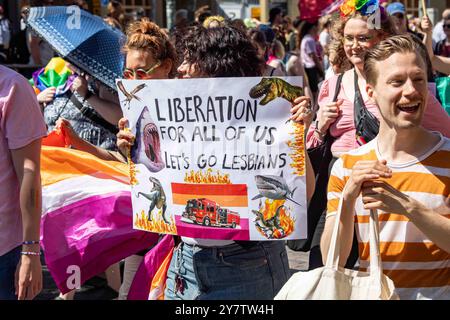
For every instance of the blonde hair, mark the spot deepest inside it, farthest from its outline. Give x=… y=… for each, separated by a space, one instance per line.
x=218 y=19
x=146 y=35
x=389 y=46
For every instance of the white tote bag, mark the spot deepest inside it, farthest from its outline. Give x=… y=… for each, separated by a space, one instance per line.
x=332 y=282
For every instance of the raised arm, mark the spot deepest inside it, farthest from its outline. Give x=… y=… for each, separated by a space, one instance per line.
x=78 y=143
x=441 y=64
x=103 y=104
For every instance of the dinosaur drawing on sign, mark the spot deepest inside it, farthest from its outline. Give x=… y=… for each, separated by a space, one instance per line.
x=157 y=199
x=272 y=88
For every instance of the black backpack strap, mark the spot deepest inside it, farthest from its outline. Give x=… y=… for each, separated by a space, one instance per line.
x=366 y=124
x=92 y=115
x=338 y=87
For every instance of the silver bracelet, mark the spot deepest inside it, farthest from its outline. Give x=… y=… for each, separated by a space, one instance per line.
x=30 y=253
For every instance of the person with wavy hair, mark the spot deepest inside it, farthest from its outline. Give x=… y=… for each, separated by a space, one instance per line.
x=360 y=26
x=219 y=52
x=242 y=270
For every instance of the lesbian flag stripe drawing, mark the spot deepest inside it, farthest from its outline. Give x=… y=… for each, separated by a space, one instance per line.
x=87 y=217
x=229 y=195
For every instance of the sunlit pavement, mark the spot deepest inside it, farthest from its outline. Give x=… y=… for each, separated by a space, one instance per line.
x=96 y=289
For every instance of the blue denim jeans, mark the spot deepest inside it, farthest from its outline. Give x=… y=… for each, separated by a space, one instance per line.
x=230 y=272
x=8 y=265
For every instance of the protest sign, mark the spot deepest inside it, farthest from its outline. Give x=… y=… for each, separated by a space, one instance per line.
x=217 y=158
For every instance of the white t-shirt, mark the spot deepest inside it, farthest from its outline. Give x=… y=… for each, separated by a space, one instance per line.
x=438 y=32
x=324 y=38
x=308 y=46
x=206 y=242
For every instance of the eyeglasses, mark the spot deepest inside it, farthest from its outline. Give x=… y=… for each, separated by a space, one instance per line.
x=139 y=73
x=349 y=40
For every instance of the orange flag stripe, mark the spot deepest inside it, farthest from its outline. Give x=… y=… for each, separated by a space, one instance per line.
x=59 y=164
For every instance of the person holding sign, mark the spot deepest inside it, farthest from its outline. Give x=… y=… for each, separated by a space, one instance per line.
x=403 y=174
x=241 y=269
x=244 y=270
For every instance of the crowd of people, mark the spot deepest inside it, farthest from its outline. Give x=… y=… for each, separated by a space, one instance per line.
x=370 y=97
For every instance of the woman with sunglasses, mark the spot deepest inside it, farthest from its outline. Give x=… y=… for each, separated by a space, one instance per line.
x=402 y=24
x=442 y=48
x=357 y=31
x=149 y=55
x=440 y=63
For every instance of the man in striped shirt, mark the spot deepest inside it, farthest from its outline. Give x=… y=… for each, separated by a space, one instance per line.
x=404 y=173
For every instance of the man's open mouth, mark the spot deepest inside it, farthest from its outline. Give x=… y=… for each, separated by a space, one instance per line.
x=409 y=107
x=152 y=143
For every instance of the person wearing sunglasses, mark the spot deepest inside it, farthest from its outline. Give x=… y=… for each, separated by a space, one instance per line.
x=442 y=48
x=397 y=12
x=440 y=63
x=149 y=55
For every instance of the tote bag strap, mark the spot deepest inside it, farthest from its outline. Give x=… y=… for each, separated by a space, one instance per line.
x=374 y=241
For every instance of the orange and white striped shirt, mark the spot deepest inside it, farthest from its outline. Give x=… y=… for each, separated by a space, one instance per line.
x=418 y=267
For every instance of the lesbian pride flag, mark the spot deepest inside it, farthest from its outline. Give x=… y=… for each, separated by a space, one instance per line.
x=87 y=217
x=233 y=197
x=228 y=195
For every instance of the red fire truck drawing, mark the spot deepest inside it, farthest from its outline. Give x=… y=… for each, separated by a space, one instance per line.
x=209 y=213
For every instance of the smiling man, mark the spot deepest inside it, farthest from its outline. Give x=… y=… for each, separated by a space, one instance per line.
x=404 y=174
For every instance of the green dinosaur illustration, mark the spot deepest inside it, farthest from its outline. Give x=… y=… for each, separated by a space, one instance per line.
x=275 y=88
x=157 y=199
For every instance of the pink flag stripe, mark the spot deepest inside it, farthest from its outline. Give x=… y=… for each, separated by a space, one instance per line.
x=140 y=288
x=90 y=234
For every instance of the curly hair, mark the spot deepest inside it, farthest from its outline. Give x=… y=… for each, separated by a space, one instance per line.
x=386 y=29
x=337 y=56
x=224 y=51
x=146 y=35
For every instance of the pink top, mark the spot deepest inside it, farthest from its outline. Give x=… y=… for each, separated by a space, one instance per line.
x=21 y=122
x=435 y=117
